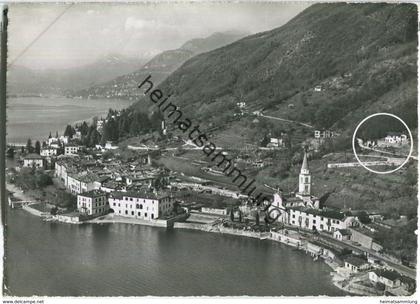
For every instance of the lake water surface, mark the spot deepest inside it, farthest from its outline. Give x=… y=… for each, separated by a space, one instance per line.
x=131 y=260
x=35 y=117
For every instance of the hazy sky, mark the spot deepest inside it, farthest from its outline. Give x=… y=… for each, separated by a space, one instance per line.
x=88 y=31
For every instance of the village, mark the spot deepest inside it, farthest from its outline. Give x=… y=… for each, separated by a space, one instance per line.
x=107 y=184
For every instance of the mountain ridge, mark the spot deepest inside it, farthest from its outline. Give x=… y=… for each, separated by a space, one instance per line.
x=272 y=70
x=160 y=66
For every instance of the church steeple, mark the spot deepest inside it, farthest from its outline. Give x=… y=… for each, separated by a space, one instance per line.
x=305 y=168
x=305 y=177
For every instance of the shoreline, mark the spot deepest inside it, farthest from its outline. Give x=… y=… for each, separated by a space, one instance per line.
x=334 y=275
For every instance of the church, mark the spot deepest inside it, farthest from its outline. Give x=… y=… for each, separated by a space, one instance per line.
x=302 y=209
x=302 y=198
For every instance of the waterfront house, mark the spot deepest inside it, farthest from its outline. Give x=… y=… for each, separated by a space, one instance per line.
x=355 y=264
x=389 y=278
x=34 y=160
x=342 y=234
x=83 y=182
x=92 y=203
x=72 y=217
x=218 y=211
x=328 y=220
x=146 y=205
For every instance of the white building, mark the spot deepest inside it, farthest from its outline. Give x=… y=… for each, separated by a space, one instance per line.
x=387 y=277
x=34 y=160
x=80 y=183
x=396 y=138
x=356 y=264
x=109 y=146
x=100 y=124
x=324 y=134
x=92 y=203
x=241 y=104
x=61 y=171
x=142 y=205
x=342 y=234
x=318 y=88
x=48 y=152
x=276 y=143
x=77 y=135
x=319 y=219
x=54 y=141
x=72 y=149
x=217 y=211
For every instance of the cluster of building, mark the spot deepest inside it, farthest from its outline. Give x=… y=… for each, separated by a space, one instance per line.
x=381 y=278
x=123 y=188
x=144 y=204
x=51 y=149
x=304 y=211
x=392 y=139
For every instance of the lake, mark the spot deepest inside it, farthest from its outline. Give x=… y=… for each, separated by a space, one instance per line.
x=59 y=259
x=35 y=117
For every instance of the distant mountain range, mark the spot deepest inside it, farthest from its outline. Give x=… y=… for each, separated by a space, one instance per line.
x=160 y=66
x=25 y=81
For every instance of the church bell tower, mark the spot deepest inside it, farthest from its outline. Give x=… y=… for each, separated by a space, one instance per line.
x=305 y=178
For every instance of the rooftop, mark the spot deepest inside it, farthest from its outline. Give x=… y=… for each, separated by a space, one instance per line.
x=344 y=231
x=388 y=274
x=92 y=193
x=33 y=156
x=356 y=261
x=141 y=194
x=328 y=213
x=363 y=231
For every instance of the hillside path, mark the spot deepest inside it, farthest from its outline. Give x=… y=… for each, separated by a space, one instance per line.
x=287 y=120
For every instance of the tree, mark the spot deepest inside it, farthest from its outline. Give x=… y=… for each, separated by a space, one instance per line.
x=84 y=128
x=110 y=131
x=22 y=149
x=49 y=136
x=107 y=154
x=69 y=131
x=265 y=141
x=56 y=134
x=10 y=152
x=257 y=218
x=29 y=146
x=364 y=218
x=176 y=207
x=94 y=138
x=37 y=147
x=54 y=210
